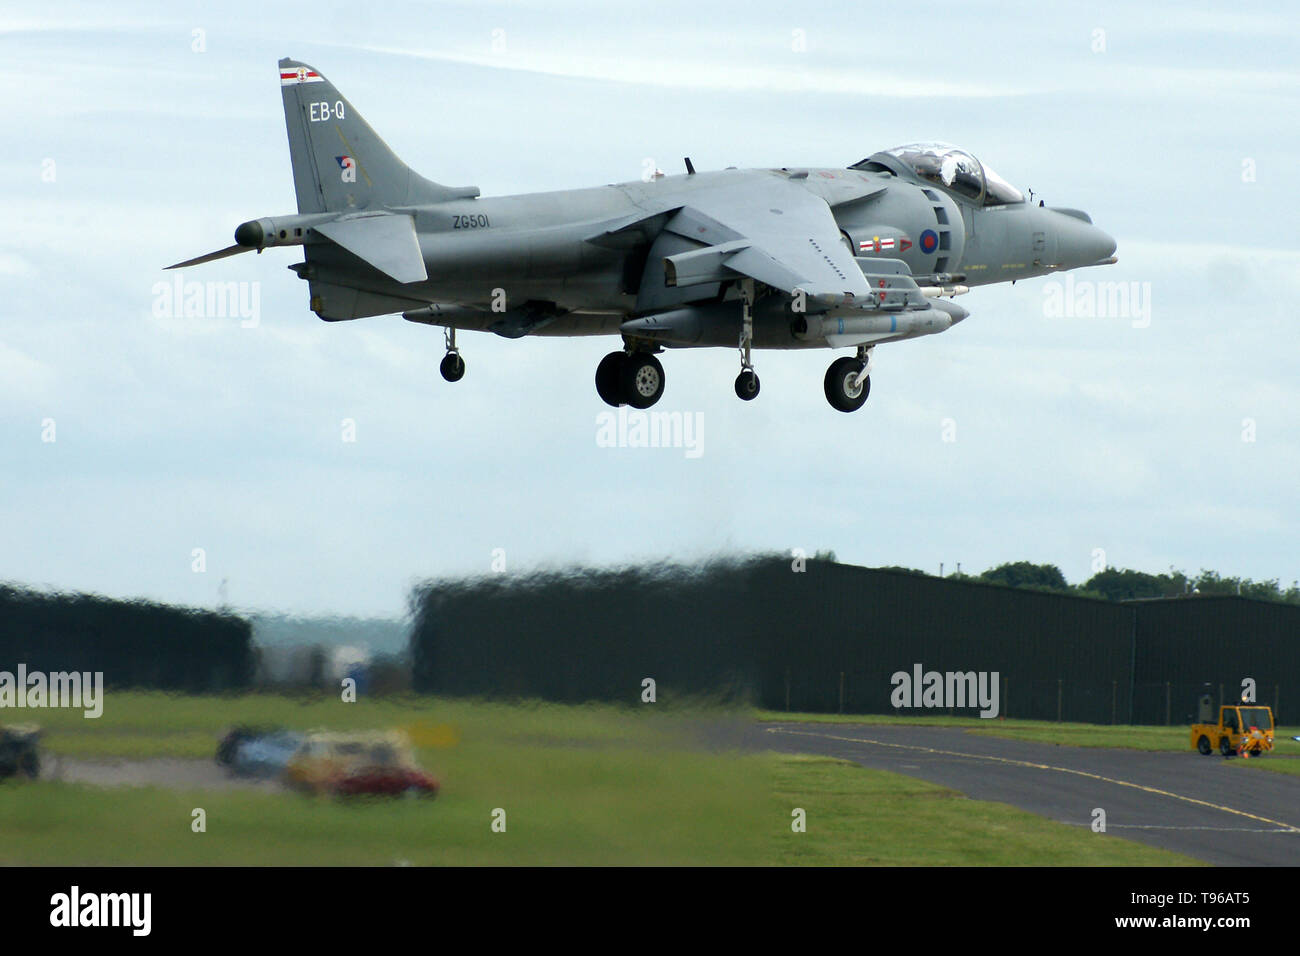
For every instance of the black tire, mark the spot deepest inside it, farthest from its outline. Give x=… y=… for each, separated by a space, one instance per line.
x=609 y=378
x=1203 y=745
x=1225 y=746
x=838 y=390
x=29 y=764
x=747 y=385
x=642 y=380
x=452 y=367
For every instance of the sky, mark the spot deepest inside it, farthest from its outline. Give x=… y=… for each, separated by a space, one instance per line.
x=202 y=459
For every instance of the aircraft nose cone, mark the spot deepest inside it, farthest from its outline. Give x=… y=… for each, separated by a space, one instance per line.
x=1099 y=245
x=1080 y=243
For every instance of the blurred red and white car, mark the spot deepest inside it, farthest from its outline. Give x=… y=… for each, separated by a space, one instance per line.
x=379 y=763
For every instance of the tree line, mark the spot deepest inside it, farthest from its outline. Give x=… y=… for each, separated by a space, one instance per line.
x=1125 y=584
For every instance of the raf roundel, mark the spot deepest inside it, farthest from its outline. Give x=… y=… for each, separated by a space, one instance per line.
x=929 y=241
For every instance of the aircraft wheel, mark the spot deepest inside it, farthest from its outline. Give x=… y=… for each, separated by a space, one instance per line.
x=839 y=385
x=643 y=380
x=1203 y=745
x=747 y=385
x=609 y=378
x=452 y=367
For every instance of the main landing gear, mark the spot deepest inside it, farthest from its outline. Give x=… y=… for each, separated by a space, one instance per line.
x=453 y=366
x=630 y=378
x=848 y=381
x=747 y=380
x=633 y=376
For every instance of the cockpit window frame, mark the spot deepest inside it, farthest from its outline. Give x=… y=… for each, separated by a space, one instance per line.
x=946 y=166
x=999 y=192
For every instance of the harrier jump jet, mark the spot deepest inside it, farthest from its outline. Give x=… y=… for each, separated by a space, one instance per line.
x=738 y=258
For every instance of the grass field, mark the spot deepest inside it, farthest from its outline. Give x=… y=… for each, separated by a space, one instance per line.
x=579 y=785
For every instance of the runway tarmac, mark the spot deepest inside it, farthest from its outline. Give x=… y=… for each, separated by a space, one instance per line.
x=171 y=772
x=1210 y=808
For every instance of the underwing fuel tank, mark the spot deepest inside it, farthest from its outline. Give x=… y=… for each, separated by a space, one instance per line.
x=776 y=326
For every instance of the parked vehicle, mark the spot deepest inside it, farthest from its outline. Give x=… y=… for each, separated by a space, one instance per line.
x=254 y=752
x=1243 y=729
x=19 y=753
x=359 y=763
x=353 y=764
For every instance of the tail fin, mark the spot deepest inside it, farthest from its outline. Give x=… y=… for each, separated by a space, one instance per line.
x=339 y=162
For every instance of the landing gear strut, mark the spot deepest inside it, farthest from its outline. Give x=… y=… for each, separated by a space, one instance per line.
x=848 y=381
x=453 y=366
x=747 y=380
x=630 y=378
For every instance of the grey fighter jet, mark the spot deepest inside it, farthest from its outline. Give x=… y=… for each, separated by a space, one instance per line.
x=840 y=258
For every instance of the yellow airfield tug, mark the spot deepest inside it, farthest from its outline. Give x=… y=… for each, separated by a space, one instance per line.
x=1243 y=729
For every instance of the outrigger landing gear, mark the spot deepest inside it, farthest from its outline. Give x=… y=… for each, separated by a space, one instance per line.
x=453 y=366
x=848 y=381
x=630 y=378
x=747 y=380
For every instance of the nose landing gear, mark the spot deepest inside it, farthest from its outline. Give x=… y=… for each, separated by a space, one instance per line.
x=848 y=381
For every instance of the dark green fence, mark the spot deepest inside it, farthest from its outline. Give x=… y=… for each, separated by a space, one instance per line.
x=830 y=638
x=134 y=644
x=1194 y=646
x=867 y=625
x=580 y=636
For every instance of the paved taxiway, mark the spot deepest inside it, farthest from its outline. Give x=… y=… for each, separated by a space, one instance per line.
x=1211 y=808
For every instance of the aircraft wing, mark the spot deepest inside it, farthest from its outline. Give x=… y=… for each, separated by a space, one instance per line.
x=771 y=230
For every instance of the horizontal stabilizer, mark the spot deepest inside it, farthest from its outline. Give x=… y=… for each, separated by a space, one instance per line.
x=385 y=240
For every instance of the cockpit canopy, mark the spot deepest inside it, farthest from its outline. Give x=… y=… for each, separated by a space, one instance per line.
x=953 y=169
